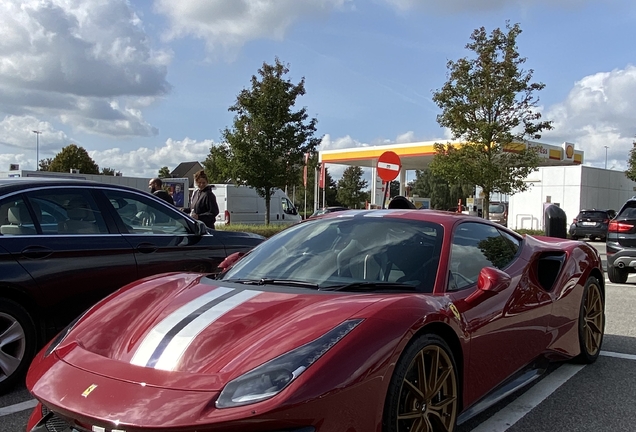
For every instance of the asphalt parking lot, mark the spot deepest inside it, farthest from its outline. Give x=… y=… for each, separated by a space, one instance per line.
x=570 y=398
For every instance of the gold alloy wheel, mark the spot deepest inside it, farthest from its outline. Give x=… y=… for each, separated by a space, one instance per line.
x=428 y=394
x=593 y=318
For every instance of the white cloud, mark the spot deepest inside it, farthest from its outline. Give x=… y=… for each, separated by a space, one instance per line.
x=452 y=6
x=227 y=25
x=85 y=62
x=146 y=162
x=598 y=112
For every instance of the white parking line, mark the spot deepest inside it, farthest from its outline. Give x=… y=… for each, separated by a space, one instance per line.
x=618 y=355
x=521 y=406
x=12 y=409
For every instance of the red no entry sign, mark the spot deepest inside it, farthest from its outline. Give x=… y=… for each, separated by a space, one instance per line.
x=389 y=166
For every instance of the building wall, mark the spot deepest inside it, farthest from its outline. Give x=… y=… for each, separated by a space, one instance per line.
x=573 y=188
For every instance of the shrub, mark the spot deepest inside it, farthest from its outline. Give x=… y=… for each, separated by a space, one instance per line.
x=264 y=230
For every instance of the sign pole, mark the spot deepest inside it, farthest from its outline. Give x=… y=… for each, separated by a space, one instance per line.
x=387 y=187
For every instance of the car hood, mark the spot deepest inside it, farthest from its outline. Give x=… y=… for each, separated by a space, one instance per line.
x=186 y=331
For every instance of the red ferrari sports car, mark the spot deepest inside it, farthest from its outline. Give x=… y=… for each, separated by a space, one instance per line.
x=381 y=320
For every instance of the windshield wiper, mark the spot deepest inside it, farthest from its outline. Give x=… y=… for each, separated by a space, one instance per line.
x=364 y=286
x=272 y=281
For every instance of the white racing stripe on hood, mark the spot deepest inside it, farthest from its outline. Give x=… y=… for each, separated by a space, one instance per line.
x=179 y=343
x=180 y=319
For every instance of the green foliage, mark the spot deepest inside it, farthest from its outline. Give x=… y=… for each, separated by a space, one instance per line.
x=45 y=164
x=631 y=163
x=350 y=188
x=270 y=230
x=108 y=171
x=164 y=172
x=264 y=230
x=73 y=157
x=268 y=139
x=218 y=165
x=488 y=102
x=443 y=194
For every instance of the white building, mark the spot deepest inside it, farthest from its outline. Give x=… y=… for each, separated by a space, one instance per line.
x=573 y=188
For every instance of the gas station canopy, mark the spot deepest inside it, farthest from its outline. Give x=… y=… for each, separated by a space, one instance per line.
x=418 y=155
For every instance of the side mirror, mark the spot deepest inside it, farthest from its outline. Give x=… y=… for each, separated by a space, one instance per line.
x=493 y=280
x=230 y=260
x=490 y=282
x=200 y=228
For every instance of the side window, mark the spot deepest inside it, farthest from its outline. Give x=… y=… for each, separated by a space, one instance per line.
x=474 y=247
x=15 y=218
x=145 y=216
x=288 y=207
x=67 y=211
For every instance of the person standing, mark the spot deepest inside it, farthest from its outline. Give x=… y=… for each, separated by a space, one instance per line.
x=156 y=188
x=204 y=206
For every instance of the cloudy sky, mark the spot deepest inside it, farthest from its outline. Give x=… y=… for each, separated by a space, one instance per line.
x=142 y=84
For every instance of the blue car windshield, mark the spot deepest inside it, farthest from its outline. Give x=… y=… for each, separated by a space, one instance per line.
x=332 y=252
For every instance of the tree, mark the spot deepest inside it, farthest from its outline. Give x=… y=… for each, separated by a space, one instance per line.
x=164 y=172
x=488 y=102
x=350 y=188
x=268 y=140
x=631 y=163
x=73 y=157
x=45 y=164
x=219 y=166
x=443 y=194
x=108 y=171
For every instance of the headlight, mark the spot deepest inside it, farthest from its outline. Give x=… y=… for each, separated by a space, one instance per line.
x=272 y=377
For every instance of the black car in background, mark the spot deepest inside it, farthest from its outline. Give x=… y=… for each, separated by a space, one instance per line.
x=65 y=244
x=621 y=243
x=591 y=223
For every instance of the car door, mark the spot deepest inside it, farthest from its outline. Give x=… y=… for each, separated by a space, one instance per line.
x=163 y=238
x=507 y=329
x=62 y=239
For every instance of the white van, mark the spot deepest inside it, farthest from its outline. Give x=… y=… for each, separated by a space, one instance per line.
x=243 y=205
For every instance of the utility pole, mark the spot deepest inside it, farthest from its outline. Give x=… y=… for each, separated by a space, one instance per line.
x=37 y=149
x=606 y=147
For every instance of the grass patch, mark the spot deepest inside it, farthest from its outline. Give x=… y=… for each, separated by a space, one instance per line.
x=269 y=230
x=264 y=230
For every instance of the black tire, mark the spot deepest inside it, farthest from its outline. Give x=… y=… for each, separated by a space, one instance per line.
x=17 y=343
x=617 y=275
x=574 y=237
x=591 y=321
x=427 y=408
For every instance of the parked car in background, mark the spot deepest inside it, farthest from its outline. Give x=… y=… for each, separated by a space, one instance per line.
x=498 y=212
x=591 y=223
x=621 y=243
x=65 y=244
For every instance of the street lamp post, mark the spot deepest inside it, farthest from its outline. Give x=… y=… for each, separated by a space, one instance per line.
x=37 y=149
x=606 y=147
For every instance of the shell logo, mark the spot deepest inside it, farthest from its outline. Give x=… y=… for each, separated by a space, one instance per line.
x=569 y=151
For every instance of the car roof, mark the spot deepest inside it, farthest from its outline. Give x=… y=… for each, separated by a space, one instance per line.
x=18 y=183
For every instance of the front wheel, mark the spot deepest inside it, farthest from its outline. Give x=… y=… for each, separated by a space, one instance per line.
x=423 y=393
x=17 y=342
x=591 y=321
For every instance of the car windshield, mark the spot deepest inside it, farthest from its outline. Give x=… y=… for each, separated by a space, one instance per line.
x=347 y=253
x=496 y=208
x=593 y=215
